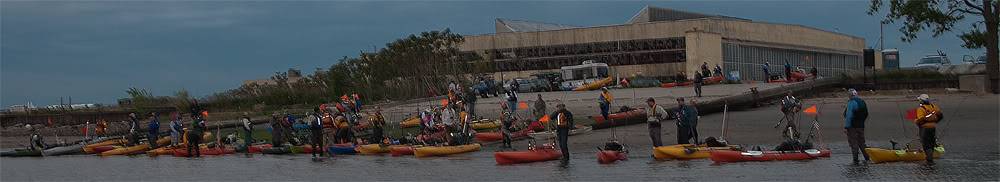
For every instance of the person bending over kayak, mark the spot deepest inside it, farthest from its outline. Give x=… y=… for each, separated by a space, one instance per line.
x=247 y=131
x=316 y=126
x=154 y=129
x=854 y=126
x=564 y=123
x=654 y=115
x=604 y=101
x=928 y=115
x=195 y=136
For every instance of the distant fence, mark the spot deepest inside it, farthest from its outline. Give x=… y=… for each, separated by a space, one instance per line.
x=903 y=84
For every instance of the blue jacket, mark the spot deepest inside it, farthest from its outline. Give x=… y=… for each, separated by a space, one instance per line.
x=154 y=126
x=856 y=113
x=688 y=116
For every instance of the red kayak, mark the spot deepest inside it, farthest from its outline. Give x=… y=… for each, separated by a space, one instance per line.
x=497 y=136
x=258 y=148
x=713 y=80
x=397 y=151
x=182 y=152
x=610 y=156
x=742 y=156
x=101 y=149
x=536 y=155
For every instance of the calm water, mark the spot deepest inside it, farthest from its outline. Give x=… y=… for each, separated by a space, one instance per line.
x=480 y=166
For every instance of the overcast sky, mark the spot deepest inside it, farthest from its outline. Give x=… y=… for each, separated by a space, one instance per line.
x=94 y=51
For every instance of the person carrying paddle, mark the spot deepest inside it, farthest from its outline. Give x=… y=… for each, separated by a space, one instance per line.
x=316 y=126
x=195 y=136
x=655 y=114
x=154 y=129
x=604 y=101
x=928 y=115
x=247 y=130
x=686 y=119
x=854 y=124
x=564 y=123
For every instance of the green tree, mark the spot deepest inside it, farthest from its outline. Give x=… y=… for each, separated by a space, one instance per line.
x=941 y=16
x=142 y=99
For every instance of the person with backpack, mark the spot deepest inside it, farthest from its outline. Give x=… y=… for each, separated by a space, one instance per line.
x=928 y=115
x=854 y=126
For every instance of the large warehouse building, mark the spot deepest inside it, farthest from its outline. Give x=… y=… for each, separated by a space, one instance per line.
x=664 y=42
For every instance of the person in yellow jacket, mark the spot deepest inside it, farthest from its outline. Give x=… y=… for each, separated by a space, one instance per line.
x=928 y=115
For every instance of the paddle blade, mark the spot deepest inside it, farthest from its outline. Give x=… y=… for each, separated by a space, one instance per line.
x=911 y=114
x=522 y=105
x=811 y=110
x=545 y=119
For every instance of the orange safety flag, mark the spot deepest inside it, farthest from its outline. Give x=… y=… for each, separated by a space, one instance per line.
x=522 y=105
x=545 y=119
x=204 y=114
x=444 y=102
x=911 y=114
x=811 y=110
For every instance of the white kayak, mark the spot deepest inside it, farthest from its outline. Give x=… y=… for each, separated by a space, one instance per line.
x=71 y=149
x=552 y=134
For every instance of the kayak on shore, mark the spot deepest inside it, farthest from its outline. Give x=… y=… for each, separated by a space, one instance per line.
x=431 y=151
x=72 y=149
x=485 y=124
x=371 y=149
x=545 y=153
x=342 y=149
x=610 y=156
x=633 y=116
x=744 y=156
x=552 y=134
x=878 y=155
x=21 y=153
x=497 y=136
x=687 y=151
x=401 y=150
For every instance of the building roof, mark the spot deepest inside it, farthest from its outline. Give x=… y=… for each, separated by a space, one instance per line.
x=654 y=14
x=508 y=25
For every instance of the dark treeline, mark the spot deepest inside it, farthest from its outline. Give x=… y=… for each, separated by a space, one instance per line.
x=416 y=66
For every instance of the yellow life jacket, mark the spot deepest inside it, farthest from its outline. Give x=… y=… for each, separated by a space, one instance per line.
x=928 y=116
x=561 y=119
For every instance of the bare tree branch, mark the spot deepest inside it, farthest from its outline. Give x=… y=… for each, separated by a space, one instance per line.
x=973 y=6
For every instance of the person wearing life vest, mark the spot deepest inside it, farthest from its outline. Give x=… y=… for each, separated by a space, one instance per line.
x=176 y=128
x=854 y=124
x=276 y=131
x=195 y=135
x=928 y=115
x=154 y=129
x=377 y=122
x=655 y=114
x=564 y=123
x=506 y=125
x=604 y=101
x=102 y=128
x=247 y=131
x=133 y=129
x=316 y=126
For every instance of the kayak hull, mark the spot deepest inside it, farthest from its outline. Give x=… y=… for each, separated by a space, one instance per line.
x=21 y=153
x=410 y=122
x=552 y=134
x=276 y=150
x=738 y=156
x=497 y=136
x=90 y=149
x=372 y=149
x=878 y=155
x=400 y=150
x=517 y=157
x=610 y=156
x=686 y=151
x=342 y=149
x=634 y=116
x=485 y=124
x=594 y=85
x=431 y=151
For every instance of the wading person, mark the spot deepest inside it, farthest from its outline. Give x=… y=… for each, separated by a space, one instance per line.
x=506 y=124
x=276 y=131
x=789 y=107
x=604 y=101
x=35 y=140
x=176 y=128
x=154 y=129
x=377 y=123
x=854 y=125
x=928 y=115
x=654 y=117
x=686 y=117
x=564 y=122
x=195 y=136
x=247 y=131
x=316 y=126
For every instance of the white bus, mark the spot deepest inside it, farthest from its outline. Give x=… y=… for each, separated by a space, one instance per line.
x=578 y=75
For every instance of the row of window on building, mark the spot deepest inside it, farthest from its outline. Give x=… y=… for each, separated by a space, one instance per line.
x=748 y=61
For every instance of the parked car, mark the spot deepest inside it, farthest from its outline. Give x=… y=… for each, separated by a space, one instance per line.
x=933 y=62
x=554 y=79
x=532 y=85
x=486 y=86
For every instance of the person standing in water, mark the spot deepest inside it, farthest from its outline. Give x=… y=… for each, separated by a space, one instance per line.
x=654 y=115
x=247 y=130
x=928 y=115
x=854 y=126
x=564 y=123
x=604 y=101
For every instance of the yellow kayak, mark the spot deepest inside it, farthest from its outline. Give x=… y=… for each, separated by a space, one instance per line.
x=878 y=155
x=431 y=151
x=594 y=85
x=135 y=149
x=686 y=151
x=410 y=122
x=373 y=149
x=168 y=150
x=485 y=124
x=89 y=149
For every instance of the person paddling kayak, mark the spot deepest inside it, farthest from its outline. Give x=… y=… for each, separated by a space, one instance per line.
x=564 y=122
x=854 y=125
x=928 y=115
